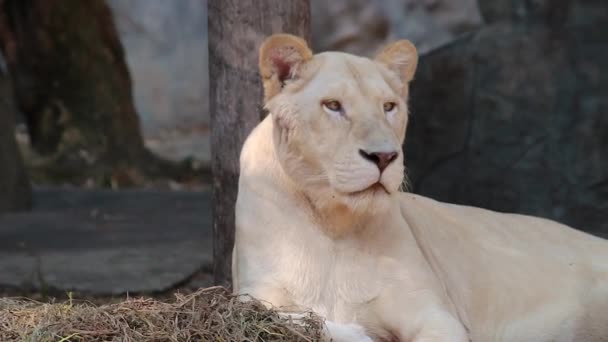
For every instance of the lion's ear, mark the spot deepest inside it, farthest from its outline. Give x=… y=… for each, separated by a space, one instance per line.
x=400 y=57
x=280 y=56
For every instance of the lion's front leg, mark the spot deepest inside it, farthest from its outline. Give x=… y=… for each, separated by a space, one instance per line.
x=351 y=332
x=279 y=300
x=440 y=326
x=333 y=331
x=419 y=317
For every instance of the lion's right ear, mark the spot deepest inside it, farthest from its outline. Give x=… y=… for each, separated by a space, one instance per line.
x=280 y=56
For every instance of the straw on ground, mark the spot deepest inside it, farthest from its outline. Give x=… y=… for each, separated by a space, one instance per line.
x=211 y=314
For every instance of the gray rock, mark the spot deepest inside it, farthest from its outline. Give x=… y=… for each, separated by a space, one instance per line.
x=354 y=26
x=538 y=10
x=362 y=27
x=514 y=118
x=105 y=242
x=554 y=13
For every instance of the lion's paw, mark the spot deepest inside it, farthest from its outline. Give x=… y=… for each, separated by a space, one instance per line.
x=338 y=332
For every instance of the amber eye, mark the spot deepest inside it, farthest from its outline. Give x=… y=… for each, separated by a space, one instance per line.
x=332 y=105
x=389 y=106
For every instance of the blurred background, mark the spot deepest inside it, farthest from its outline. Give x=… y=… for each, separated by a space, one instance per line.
x=167 y=53
x=105 y=177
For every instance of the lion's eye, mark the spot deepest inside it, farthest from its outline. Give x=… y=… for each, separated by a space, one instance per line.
x=332 y=105
x=389 y=107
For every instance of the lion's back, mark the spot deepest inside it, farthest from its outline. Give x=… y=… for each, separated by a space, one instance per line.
x=510 y=228
x=520 y=261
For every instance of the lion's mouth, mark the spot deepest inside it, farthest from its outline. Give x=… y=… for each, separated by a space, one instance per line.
x=372 y=189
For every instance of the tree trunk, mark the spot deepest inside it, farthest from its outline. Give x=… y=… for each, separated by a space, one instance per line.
x=73 y=86
x=15 y=191
x=236 y=29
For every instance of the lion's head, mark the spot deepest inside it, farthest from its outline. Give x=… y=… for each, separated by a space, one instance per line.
x=339 y=119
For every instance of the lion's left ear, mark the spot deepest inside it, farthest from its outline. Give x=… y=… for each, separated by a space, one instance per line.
x=400 y=57
x=279 y=58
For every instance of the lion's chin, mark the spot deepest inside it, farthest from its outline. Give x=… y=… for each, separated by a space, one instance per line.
x=370 y=199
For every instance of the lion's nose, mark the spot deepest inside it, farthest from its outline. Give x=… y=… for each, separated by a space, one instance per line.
x=381 y=159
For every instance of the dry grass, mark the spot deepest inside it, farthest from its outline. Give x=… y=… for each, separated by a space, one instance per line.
x=211 y=314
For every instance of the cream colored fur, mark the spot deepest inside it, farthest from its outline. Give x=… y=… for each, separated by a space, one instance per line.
x=319 y=227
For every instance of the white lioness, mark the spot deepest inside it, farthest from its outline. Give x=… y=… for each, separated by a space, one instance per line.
x=322 y=224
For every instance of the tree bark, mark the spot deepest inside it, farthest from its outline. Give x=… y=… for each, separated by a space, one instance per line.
x=74 y=89
x=15 y=190
x=236 y=29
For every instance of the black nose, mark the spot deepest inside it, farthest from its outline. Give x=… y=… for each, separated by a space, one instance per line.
x=381 y=159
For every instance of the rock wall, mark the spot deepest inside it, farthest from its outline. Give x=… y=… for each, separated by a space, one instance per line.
x=514 y=118
x=361 y=27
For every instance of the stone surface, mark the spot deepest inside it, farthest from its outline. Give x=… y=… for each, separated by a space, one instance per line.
x=554 y=13
x=15 y=191
x=536 y=10
x=105 y=242
x=514 y=118
x=361 y=27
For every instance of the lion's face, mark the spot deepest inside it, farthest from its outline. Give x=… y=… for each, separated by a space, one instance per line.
x=339 y=119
